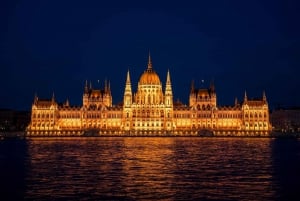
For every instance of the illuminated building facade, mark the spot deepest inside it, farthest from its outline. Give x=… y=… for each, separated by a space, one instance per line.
x=150 y=111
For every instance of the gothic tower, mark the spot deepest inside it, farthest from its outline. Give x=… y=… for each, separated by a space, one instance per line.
x=168 y=92
x=128 y=92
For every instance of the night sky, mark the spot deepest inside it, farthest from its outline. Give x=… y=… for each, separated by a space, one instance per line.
x=54 y=46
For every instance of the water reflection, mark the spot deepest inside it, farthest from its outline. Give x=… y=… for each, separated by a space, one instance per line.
x=151 y=168
x=148 y=167
x=230 y=169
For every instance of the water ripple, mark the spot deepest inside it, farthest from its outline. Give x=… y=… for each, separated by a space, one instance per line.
x=150 y=169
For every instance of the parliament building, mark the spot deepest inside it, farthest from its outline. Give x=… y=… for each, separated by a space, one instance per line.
x=150 y=111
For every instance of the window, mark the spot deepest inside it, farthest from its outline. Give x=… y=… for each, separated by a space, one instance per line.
x=162 y=113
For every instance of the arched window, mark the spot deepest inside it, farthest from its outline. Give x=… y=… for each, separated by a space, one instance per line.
x=134 y=113
x=162 y=113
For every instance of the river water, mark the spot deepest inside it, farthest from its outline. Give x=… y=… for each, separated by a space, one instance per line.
x=150 y=169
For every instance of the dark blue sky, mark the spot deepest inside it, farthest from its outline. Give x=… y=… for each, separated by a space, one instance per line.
x=54 y=46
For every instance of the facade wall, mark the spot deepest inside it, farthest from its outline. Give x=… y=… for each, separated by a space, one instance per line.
x=150 y=109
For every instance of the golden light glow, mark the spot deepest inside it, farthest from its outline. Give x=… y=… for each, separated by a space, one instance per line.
x=148 y=112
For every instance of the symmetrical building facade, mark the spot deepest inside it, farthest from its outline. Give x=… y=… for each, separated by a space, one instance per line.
x=150 y=111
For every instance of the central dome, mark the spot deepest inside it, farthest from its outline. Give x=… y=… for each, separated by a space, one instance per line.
x=149 y=76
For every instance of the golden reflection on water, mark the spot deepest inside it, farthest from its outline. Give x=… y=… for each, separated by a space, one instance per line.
x=148 y=166
x=153 y=168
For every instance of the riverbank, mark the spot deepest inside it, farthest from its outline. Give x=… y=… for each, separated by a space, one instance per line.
x=21 y=135
x=12 y=135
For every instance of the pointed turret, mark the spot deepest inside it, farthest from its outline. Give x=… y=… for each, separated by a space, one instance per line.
x=128 y=82
x=192 y=86
x=108 y=88
x=107 y=98
x=168 y=91
x=212 y=93
x=127 y=92
x=35 y=99
x=67 y=104
x=264 y=96
x=91 y=85
x=245 y=97
x=128 y=85
x=149 y=68
x=168 y=84
x=86 y=89
x=53 y=98
x=236 y=102
x=192 y=99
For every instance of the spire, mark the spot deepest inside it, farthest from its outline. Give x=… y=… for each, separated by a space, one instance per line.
x=168 y=90
x=127 y=92
x=108 y=87
x=128 y=78
x=245 y=97
x=86 y=89
x=168 y=77
x=149 y=63
x=35 y=98
x=90 y=85
x=53 y=98
x=67 y=104
x=236 y=102
x=128 y=85
x=264 y=96
x=105 y=86
x=192 y=86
